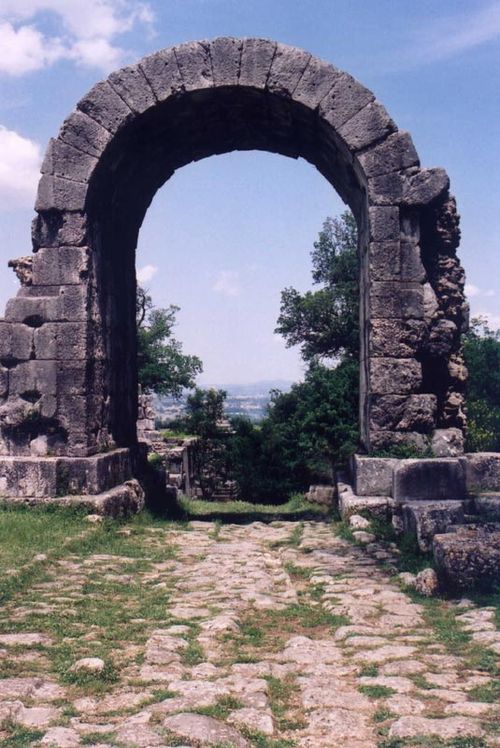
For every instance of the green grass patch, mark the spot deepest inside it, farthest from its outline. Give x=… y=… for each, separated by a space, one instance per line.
x=376 y=691
x=369 y=671
x=297 y=572
x=293 y=540
x=382 y=715
x=221 y=709
x=260 y=740
x=285 y=703
x=20 y=737
x=489 y=693
x=296 y=508
x=428 y=741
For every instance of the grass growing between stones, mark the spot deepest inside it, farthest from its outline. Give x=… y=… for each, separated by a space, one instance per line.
x=285 y=703
x=19 y=737
x=268 y=631
x=376 y=691
x=91 y=605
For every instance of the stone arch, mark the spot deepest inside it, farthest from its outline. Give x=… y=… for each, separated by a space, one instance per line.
x=67 y=343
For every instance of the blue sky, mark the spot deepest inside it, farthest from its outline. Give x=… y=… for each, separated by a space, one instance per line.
x=225 y=235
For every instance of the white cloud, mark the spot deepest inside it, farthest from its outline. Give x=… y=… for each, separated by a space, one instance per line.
x=86 y=35
x=26 y=49
x=146 y=273
x=451 y=35
x=227 y=283
x=20 y=160
x=473 y=291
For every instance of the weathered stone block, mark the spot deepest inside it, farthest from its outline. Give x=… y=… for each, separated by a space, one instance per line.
x=487 y=505
x=396 y=300
x=371 y=123
x=389 y=440
x=256 y=58
x=396 y=338
x=16 y=341
x=403 y=413
x=470 y=558
x=395 y=153
x=72 y=377
x=45 y=341
x=34 y=376
x=426 y=186
x=412 y=268
x=225 y=54
x=386 y=189
x=394 y=376
x=63 y=160
x=93 y=475
x=429 y=479
x=385 y=260
x=384 y=223
x=85 y=134
x=133 y=87
x=163 y=73
x=372 y=476
x=73 y=302
x=482 y=471
x=316 y=82
x=104 y=106
x=25 y=476
x=350 y=503
x=424 y=519
x=193 y=59
x=56 y=193
x=321 y=495
x=286 y=69
x=345 y=100
x=62 y=265
x=447 y=442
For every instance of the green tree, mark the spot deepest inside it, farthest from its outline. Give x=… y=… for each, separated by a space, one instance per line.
x=325 y=322
x=162 y=366
x=205 y=418
x=482 y=358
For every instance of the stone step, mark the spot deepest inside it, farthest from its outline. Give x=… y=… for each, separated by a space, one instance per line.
x=425 y=519
x=439 y=479
x=469 y=557
x=120 y=501
x=487 y=506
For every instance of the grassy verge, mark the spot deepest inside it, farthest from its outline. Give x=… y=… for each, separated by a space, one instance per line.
x=296 y=508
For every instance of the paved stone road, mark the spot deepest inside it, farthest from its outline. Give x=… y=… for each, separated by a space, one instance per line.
x=259 y=635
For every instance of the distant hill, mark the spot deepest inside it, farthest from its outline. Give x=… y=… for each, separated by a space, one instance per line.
x=252 y=389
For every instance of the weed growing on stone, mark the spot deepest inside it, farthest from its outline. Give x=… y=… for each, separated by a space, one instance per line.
x=297 y=572
x=369 y=671
x=221 y=709
x=382 y=714
x=260 y=740
x=293 y=540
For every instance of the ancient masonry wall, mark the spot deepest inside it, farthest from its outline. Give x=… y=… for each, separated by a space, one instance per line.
x=68 y=384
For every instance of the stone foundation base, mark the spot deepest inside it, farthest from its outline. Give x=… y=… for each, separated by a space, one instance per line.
x=120 y=501
x=450 y=505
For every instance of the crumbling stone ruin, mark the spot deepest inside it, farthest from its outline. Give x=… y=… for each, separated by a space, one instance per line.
x=68 y=380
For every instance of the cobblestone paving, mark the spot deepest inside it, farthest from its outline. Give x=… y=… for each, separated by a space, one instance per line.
x=258 y=635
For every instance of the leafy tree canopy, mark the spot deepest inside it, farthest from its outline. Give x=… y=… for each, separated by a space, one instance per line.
x=482 y=358
x=162 y=366
x=325 y=322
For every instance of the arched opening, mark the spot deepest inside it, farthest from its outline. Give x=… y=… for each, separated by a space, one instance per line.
x=141 y=160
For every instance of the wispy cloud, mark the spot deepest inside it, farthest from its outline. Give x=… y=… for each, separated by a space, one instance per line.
x=86 y=32
x=451 y=35
x=146 y=273
x=473 y=291
x=19 y=170
x=227 y=283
